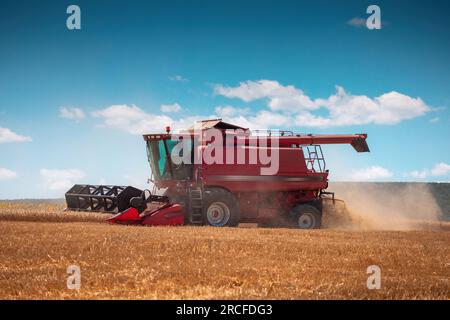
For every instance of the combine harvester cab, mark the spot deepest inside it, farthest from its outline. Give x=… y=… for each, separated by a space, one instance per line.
x=221 y=193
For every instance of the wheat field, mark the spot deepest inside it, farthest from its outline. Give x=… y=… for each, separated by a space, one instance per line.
x=39 y=242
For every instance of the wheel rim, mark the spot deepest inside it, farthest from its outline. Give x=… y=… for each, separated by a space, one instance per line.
x=306 y=221
x=218 y=214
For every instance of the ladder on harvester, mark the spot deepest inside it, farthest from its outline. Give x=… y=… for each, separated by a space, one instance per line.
x=195 y=208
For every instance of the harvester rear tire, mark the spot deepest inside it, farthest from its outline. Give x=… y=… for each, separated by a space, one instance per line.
x=306 y=216
x=220 y=203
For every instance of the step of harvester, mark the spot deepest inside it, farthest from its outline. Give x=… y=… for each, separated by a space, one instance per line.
x=196 y=206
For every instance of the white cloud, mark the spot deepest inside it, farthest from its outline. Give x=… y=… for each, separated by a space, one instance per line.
x=357 y=22
x=434 y=120
x=371 y=173
x=262 y=120
x=71 y=113
x=7 y=135
x=389 y=108
x=280 y=97
x=178 y=78
x=60 y=180
x=418 y=174
x=230 y=111
x=7 y=174
x=134 y=120
x=342 y=108
x=175 y=107
x=287 y=106
x=440 y=169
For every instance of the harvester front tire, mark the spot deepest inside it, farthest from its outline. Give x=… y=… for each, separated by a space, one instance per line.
x=307 y=216
x=220 y=208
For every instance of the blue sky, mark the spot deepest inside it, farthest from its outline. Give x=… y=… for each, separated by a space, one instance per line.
x=74 y=102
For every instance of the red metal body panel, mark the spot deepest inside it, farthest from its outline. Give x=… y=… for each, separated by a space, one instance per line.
x=292 y=173
x=129 y=216
x=169 y=215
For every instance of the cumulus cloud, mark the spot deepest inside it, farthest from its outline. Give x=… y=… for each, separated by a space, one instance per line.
x=370 y=174
x=418 y=174
x=71 y=113
x=389 y=108
x=341 y=108
x=286 y=106
x=357 y=22
x=438 y=170
x=7 y=174
x=434 y=120
x=230 y=111
x=261 y=120
x=134 y=120
x=178 y=78
x=60 y=180
x=280 y=97
x=8 y=136
x=175 y=107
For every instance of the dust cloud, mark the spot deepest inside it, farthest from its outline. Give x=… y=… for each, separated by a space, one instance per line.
x=387 y=206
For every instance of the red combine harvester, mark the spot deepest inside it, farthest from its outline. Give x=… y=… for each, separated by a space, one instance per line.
x=227 y=191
